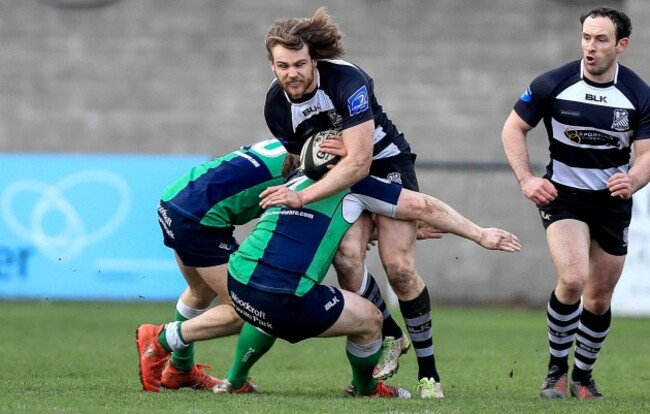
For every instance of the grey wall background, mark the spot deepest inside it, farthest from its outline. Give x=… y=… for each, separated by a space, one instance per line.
x=171 y=76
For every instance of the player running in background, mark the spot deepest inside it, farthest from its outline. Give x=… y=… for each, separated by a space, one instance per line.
x=594 y=110
x=313 y=91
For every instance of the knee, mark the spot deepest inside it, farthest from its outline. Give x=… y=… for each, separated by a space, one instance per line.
x=598 y=304
x=198 y=298
x=400 y=271
x=373 y=324
x=573 y=286
x=349 y=268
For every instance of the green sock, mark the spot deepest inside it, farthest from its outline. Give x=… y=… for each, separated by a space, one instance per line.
x=251 y=346
x=362 y=361
x=183 y=360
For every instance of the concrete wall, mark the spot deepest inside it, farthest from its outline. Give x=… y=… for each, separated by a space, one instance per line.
x=170 y=76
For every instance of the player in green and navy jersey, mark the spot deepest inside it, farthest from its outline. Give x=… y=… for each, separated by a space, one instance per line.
x=197 y=215
x=275 y=277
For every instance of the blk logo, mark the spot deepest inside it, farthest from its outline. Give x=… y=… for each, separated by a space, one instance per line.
x=594 y=98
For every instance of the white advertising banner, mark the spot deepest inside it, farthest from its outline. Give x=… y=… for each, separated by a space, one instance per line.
x=632 y=294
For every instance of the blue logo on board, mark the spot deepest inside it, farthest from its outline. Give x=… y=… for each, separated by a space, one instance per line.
x=358 y=102
x=527 y=95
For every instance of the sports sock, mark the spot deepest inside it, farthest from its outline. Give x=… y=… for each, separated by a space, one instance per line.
x=251 y=346
x=562 y=321
x=170 y=337
x=363 y=359
x=592 y=331
x=183 y=359
x=370 y=290
x=417 y=316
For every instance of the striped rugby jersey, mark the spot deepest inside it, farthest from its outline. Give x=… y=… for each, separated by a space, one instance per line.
x=345 y=97
x=590 y=126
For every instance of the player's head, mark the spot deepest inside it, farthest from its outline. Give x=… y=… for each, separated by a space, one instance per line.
x=622 y=23
x=291 y=164
x=294 y=45
x=605 y=34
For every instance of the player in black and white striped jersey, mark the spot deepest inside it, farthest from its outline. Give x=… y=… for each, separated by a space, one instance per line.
x=315 y=90
x=594 y=110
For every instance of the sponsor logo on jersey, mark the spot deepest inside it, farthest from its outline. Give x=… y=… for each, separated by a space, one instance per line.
x=331 y=303
x=621 y=120
x=165 y=221
x=310 y=110
x=358 y=102
x=228 y=247
x=594 y=98
x=575 y=114
x=527 y=95
x=592 y=137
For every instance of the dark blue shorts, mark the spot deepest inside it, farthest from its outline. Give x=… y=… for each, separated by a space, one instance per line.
x=398 y=169
x=197 y=245
x=608 y=217
x=285 y=316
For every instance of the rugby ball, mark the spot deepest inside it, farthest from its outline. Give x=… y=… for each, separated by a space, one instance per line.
x=314 y=162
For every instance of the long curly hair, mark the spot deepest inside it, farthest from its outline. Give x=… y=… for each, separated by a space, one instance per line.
x=322 y=36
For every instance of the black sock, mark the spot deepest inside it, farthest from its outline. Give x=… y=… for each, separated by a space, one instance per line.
x=592 y=332
x=417 y=316
x=562 y=321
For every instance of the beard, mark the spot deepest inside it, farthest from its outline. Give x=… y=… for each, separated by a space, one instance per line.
x=298 y=86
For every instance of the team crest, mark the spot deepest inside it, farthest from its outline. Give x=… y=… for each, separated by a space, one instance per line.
x=621 y=120
x=335 y=118
x=395 y=177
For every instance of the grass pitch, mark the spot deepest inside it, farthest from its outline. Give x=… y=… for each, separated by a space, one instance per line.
x=81 y=358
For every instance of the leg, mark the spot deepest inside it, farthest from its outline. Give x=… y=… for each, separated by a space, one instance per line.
x=397 y=253
x=194 y=301
x=192 y=324
x=354 y=276
x=361 y=322
x=349 y=258
x=568 y=242
x=252 y=345
x=595 y=321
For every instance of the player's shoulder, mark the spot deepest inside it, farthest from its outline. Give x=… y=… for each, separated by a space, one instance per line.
x=340 y=71
x=274 y=91
x=632 y=80
x=560 y=74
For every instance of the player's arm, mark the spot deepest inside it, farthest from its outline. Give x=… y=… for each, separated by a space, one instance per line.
x=513 y=136
x=624 y=185
x=349 y=170
x=392 y=200
x=412 y=205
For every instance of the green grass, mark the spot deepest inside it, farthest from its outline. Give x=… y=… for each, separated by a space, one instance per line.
x=81 y=357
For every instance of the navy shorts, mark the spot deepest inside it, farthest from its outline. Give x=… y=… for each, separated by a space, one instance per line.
x=398 y=169
x=608 y=217
x=196 y=245
x=286 y=316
